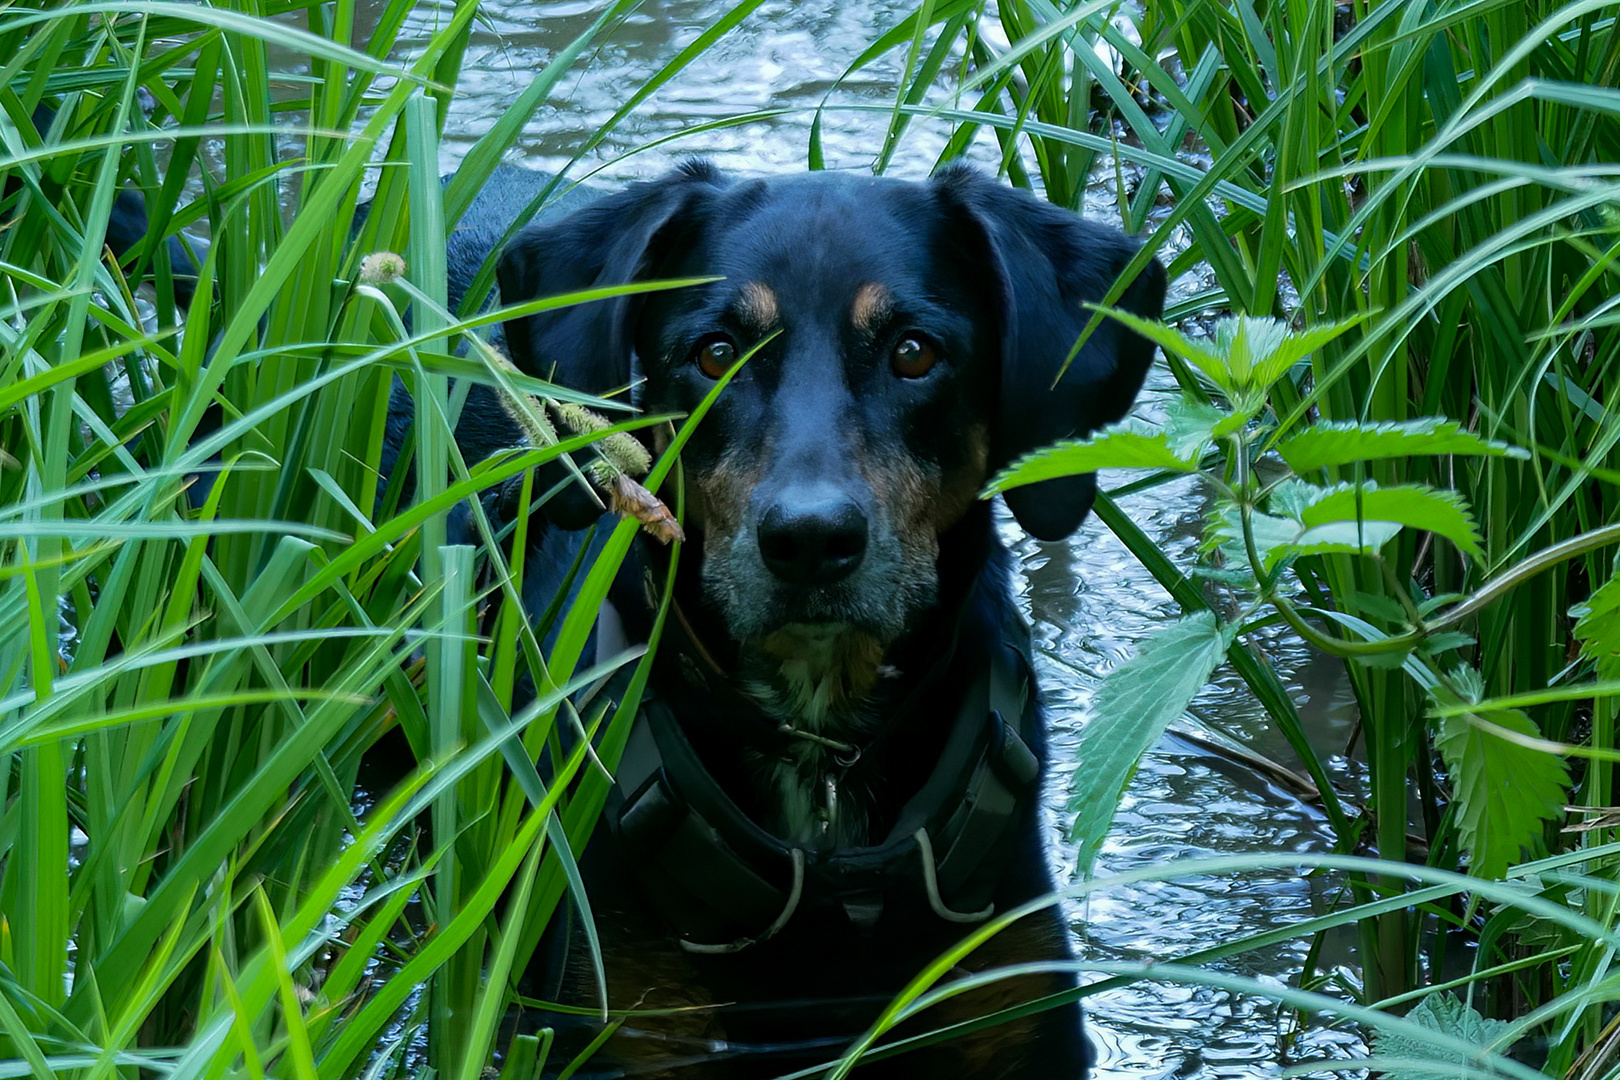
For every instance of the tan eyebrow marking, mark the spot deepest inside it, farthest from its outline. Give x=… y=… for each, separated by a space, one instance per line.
x=873 y=304
x=756 y=304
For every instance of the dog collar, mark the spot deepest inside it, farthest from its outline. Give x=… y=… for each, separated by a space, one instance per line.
x=724 y=883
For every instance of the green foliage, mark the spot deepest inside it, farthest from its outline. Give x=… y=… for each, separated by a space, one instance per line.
x=1275 y=537
x=1505 y=790
x=1178 y=446
x=1336 y=443
x=1444 y=1014
x=1506 y=780
x=1422 y=198
x=1246 y=357
x=1408 y=212
x=1597 y=627
x=188 y=685
x=1506 y=785
x=1135 y=703
x=1119 y=445
x=1412 y=506
x=1262 y=529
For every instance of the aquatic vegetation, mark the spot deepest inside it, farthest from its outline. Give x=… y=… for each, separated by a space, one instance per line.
x=1397 y=382
x=1402 y=414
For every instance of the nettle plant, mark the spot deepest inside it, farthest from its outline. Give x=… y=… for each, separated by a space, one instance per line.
x=1283 y=495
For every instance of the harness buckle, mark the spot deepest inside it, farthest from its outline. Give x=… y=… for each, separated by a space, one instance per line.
x=1011 y=757
x=651 y=815
x=863 y=911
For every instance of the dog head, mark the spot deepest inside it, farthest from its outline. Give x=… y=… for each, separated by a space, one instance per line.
x=918 y=328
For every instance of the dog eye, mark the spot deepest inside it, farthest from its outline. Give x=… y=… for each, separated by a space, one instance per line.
x=912 y=357
x=715 y=356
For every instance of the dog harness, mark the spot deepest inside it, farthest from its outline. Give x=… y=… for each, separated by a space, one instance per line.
x=724 y=883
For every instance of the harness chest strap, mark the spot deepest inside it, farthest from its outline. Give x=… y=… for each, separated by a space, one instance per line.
x=724 y=883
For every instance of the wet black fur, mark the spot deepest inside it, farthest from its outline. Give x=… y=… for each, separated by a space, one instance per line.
x=995 y=279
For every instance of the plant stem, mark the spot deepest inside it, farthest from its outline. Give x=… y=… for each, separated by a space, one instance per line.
x=1517 y=575
x=1339 y=646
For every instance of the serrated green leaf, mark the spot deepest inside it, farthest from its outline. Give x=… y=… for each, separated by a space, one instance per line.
x=1338 y=538
x=1380 y=606
x=1598 y=627
x=1278 y=538
x=1121 y=446
x=1190 y=425
x=1296 y=346
x=1199 y=355
x=1249 y=343
x=1246 y=355
x=1413 y=505
x=1291 y=496
x=1387 y=661
x=1445 y=641
x=1534 y=932
x=1235 y=421
x=1347 y=442
x=1503 y=790
x=1223 y=530
x=1443 y=1014
x=1468 y=682
x=1133 y=706
x=1430 y=604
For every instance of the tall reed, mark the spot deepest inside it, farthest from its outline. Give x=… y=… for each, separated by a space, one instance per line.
x=208 y=618
x=206 y=621
x=1437 y=182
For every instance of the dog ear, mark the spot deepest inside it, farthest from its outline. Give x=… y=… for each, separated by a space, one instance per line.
x=587 y=346
x=1048 y=263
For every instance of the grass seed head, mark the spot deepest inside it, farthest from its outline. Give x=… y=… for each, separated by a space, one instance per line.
x=381 y=268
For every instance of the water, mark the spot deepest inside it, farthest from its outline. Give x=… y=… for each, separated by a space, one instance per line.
x=787 y=55
x=1090 y=601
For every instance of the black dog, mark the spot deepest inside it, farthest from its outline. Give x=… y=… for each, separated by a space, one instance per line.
x=127 y=228
x=836 y=772
x=836 y=768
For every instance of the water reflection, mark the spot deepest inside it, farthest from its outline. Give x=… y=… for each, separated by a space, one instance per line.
x=786 y=55
x=1090 y=600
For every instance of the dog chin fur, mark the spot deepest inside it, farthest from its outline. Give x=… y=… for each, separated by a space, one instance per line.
x=819 y=679
x=816 y=676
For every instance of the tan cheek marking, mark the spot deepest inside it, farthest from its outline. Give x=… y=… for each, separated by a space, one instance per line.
x=723 y=493
x=872 y=305
x=926 y=502
x=910 y=493
x=757 y=305
x=960 y=488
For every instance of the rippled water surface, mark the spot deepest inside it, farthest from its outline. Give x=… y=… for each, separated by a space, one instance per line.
x=1089 y=599
x=1090 y=603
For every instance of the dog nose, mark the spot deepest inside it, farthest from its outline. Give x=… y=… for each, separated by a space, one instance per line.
x=813 y=541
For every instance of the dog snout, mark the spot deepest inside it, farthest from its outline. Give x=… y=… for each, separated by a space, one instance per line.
x=812 y=537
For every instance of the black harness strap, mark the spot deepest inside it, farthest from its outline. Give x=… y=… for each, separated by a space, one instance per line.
x=724 y=883
x=658 y=827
